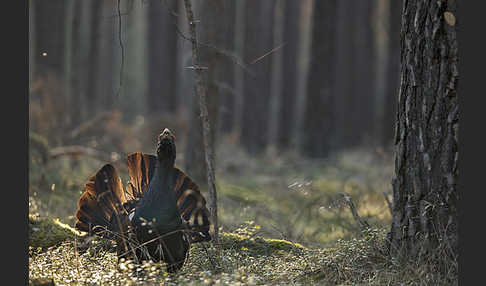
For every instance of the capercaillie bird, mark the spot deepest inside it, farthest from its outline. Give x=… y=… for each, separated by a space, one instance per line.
x=159 y=213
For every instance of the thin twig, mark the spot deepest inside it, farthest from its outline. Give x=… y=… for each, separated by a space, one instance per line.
x=268 y=53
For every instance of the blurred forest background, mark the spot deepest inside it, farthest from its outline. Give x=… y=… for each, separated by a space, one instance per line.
x=301 y=99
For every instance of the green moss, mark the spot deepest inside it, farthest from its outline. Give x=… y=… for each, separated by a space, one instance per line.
x=46 y=232
x=258 y=245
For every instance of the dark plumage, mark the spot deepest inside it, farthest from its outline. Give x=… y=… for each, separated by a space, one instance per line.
x=161 y=208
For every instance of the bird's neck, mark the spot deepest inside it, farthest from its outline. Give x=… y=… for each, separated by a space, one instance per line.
x=166 y=164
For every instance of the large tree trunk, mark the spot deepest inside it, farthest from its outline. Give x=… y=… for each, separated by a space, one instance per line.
x=426 y=136
x=319 y=118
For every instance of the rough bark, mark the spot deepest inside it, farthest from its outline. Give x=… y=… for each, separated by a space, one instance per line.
x=426 y=135
x=319 y=117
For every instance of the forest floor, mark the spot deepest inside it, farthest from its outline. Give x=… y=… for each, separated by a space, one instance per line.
x=284 y=220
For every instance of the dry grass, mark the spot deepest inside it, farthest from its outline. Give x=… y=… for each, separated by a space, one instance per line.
x=245 y=258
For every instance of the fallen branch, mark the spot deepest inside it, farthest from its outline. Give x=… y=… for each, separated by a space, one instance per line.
x=88 y=124
x=78 y=150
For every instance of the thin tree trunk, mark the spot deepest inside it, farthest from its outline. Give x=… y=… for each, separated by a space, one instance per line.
x=226 y=83
x=162 y=43
x=276 y=81
x=75 y=72
x=108 y=39
x=363 y=72
x=381 y=19
x=289 y=74
x=238 y=73
x=93 y=54
x=211 y=31
x=426 y=136
x=201 y=94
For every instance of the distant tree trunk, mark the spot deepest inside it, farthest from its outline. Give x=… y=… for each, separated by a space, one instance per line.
x=162 y=44
x=319 y=117
x=68 y=66
x=76 y=63
x=363 y=71
x=107 y=39
x=238 y=72
x=258 y=41
x=93 y=56
x=425 y=195
x=226 y=85
x=303 y=60
x=392 y=72
x=380 y=18
x=49 y=30
x=276 y=80
x=344 y=85
x=289 y=74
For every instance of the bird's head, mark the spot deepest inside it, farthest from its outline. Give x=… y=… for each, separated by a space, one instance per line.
x=166 y=149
